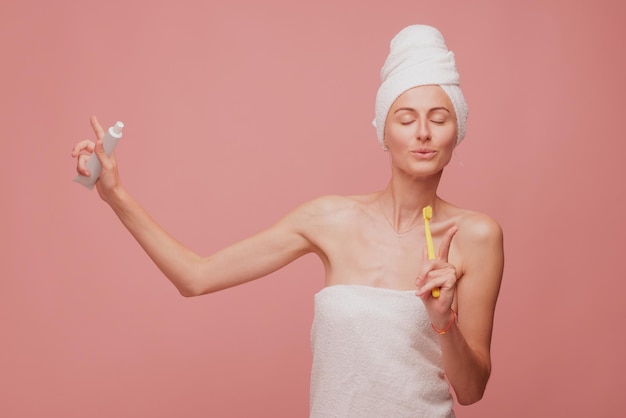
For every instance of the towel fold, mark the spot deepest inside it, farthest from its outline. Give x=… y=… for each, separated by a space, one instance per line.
x=375 y=355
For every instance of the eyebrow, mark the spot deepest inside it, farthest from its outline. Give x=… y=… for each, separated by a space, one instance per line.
x=429 y=110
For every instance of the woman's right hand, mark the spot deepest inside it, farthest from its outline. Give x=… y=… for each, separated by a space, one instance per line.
x=109 y=180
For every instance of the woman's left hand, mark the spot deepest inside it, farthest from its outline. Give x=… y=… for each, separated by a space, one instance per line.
x=438 y=273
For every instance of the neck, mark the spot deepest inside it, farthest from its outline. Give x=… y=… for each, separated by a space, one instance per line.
x=404 y=198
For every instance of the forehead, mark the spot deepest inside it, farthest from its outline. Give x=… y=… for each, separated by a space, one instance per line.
x=423 y=97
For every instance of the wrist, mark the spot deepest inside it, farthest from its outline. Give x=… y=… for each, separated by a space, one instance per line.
x=448 y=325
x=115 y=196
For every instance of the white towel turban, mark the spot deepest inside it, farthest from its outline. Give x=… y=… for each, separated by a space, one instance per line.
x=418 y=56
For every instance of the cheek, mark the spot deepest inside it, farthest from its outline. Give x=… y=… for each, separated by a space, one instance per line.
x=447 y=135
x=446 y=142
x=447 y=158
x=395 y=132
x=447 y=149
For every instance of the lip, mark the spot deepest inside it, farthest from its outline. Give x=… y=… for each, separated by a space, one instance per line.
x=424 y=153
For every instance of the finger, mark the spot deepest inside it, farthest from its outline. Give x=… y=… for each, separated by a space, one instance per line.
x=437 y=280
x=85 y=145
x=99 y=151
x=432 y=287
x=107 y=162
x=423 y=270
x=97 y=128
x=81 y=165
x=429 y=267
x=444 y=249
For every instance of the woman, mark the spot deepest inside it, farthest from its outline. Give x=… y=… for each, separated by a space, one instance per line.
x=383 y=344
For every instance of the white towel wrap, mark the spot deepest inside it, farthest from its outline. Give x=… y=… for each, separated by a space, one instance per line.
x=375 y=355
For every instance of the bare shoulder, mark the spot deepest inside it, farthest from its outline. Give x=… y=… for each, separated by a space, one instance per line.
x=478 y=247
x=481 y=227
x=475 y=227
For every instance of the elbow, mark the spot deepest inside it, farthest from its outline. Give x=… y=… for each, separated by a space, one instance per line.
x=190 y=282
x=197 y=280
x=469 y=399
x=188 y=290
x=191 y=291
x=472 y=394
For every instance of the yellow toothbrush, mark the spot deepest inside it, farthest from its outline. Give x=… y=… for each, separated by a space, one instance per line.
x=428 y=213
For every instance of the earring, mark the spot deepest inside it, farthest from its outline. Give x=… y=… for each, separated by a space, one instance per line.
x=385 y=147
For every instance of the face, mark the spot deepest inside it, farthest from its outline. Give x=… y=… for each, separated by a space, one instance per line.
x=421 y=130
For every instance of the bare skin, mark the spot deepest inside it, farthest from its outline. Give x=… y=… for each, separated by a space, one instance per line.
x=356 y=238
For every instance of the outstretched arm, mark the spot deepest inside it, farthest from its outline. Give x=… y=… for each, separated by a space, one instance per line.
x=192 y=274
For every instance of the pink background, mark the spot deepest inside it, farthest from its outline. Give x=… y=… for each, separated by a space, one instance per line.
x=236 y=112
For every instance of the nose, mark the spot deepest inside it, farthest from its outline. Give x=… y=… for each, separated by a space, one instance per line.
x=423 y=131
